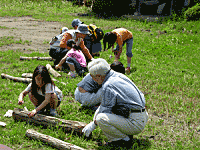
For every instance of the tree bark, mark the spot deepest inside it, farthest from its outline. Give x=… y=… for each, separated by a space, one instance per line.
x=59 y=144
x=38 y=119
x=16 y=79
x=52 y=71
x=30 y=75
x=38 y=58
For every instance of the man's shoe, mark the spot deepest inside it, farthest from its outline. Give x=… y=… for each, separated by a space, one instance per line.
x=120 y=144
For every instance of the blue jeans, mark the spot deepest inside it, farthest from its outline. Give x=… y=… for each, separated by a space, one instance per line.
x=129 y=45
x=79 y=69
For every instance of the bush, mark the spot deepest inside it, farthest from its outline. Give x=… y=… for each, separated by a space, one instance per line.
x=193 y=13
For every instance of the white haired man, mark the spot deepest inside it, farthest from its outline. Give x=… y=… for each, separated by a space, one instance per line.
x=122 y=111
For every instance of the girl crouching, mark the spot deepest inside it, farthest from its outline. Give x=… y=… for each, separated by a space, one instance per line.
x=42 y=92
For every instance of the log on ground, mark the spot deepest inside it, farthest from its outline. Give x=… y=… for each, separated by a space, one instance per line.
x=37 y=58
x=38 y=119
x=30 y=75
x=52 y=71
x=16 y=79
x=54 y=142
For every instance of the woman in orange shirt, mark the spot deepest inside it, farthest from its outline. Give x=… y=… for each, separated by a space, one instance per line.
x=120 y=36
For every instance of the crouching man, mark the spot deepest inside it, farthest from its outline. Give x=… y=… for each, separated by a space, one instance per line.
x=122 y=111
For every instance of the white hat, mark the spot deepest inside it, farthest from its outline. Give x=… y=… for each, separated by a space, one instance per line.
x=63 y=29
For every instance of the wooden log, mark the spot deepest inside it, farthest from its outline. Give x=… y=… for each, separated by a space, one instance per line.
x=37 y=58
x=38 y=119
x=30 y=75
x=52 y=71
x=54 y=142
x=27 y=75
x=16 y=79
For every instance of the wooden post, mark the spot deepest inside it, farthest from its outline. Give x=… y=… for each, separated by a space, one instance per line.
x=38 y=119
x=38 y=58
x=54 y=142
x=16 y=79
x=52 y=71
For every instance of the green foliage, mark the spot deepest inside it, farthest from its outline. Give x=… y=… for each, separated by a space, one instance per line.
x=193 y=13
x=193 y=10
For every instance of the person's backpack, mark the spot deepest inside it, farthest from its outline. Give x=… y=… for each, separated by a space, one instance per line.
x=96 y=33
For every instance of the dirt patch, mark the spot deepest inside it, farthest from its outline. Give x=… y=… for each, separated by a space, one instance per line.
x=37 y=32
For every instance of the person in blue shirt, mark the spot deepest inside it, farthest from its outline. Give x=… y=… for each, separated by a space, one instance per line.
x=122 y=111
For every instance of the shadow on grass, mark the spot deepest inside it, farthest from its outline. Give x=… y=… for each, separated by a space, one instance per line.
x=135 y=144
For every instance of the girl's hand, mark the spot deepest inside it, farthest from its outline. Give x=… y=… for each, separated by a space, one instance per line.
x=58 y=67
x=32 y=113
x=20 y=101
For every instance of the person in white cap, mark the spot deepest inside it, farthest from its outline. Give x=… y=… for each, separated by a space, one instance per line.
x=55 y=51
x=122 y=112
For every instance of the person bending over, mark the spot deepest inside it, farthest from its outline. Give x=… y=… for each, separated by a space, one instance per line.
x=120 y=36
x=42 y=92
x=78 y=35
x=55 y=51
x=89 y=92
x=122 y=111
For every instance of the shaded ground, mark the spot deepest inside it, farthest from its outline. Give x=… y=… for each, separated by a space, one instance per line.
x=37 y=32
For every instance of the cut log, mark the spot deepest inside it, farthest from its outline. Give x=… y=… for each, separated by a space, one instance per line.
x=38 y=119
x=37 y=58
x=16 y=79
x=52 y=71
x=54 y=142
x=30 y=75
x=27 y=75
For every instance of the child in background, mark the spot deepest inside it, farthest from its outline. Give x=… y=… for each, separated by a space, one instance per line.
x=42 y=92
x=75 y=60
x=120 y=36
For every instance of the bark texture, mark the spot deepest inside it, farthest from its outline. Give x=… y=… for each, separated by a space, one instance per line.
x=30 y=75
x=38 y=119
x=27 y=78
x=16 y=79
x=59 y=144
x=52 y=71
x=38 y=58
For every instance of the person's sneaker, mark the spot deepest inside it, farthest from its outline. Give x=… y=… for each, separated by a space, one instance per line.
x=128 y=70
x=53 y=112
x=72 y=74
x=119 y=144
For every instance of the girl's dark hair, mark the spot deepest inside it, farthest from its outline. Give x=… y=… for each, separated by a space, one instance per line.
x=110 y=38
x=118 y=67
x=45 y=78
x=71 y=43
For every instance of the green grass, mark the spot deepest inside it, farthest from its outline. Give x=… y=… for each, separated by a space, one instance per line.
x=166 y=68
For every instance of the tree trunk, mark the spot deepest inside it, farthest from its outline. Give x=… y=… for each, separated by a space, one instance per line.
x=38 y=58
x=38 y=119
x=59 y=144
x=52 y=71
x=16 y=79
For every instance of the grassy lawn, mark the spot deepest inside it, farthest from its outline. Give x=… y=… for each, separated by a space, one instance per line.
x=165 y=67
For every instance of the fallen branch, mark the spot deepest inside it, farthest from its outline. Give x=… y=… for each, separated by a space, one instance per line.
x=37 y=58
x=38 y=119
x=59 y=144
x=16 y=79
x=30 y=75
x=52 y=71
